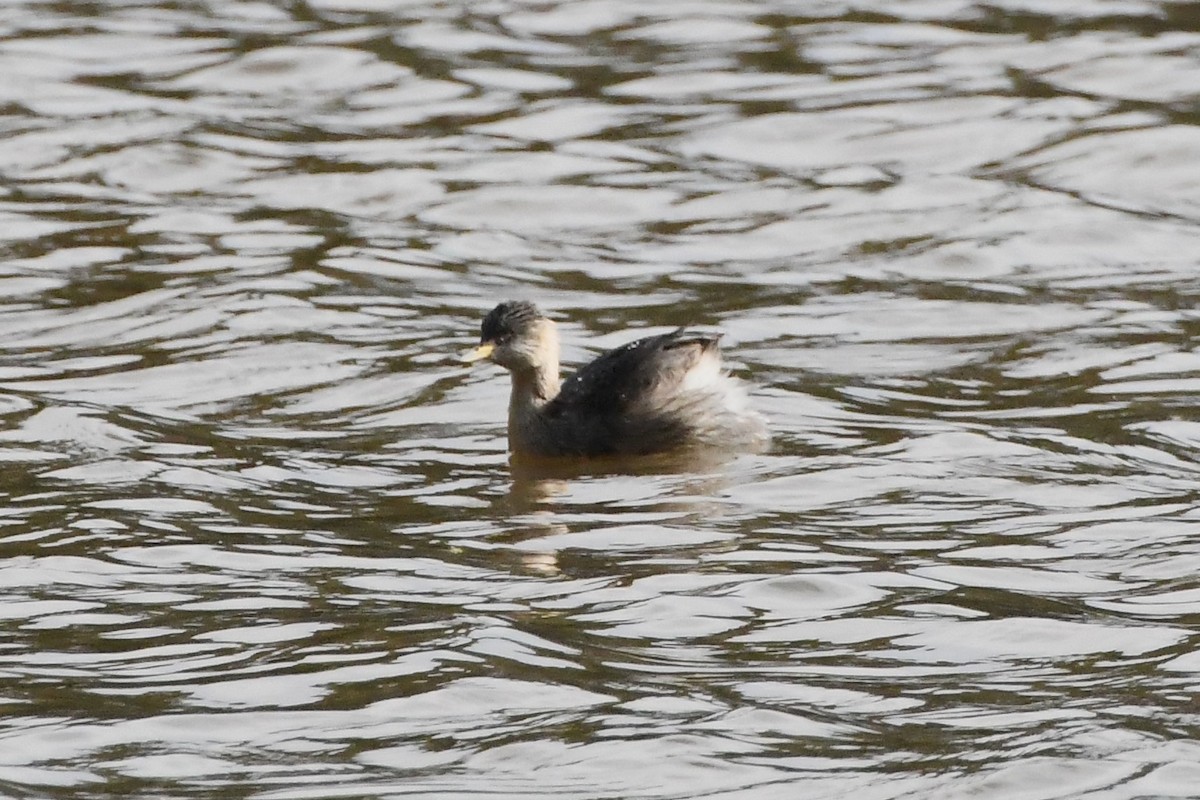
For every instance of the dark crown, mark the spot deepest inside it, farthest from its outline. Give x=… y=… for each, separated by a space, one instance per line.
x=511 y=318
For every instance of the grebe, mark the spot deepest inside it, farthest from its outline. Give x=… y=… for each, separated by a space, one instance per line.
x=653 y=395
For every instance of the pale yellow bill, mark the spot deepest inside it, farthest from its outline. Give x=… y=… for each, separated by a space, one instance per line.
x=479 y=353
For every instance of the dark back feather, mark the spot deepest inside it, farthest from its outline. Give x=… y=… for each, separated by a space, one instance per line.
x=609 y=404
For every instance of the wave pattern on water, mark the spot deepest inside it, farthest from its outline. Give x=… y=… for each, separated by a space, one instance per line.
x=259 y=531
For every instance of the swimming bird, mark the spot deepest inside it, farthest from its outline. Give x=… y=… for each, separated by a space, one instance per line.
x=652 y=395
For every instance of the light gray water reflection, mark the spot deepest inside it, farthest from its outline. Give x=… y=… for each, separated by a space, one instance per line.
x=260 y=534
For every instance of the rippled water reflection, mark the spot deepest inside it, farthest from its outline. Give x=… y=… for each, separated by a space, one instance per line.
x=260 y=534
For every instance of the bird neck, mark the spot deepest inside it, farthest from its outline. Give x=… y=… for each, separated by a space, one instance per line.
x=535 y=387
x=528 y=428
x=535 y=381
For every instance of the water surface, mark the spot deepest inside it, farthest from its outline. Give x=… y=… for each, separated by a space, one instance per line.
x=260 y=534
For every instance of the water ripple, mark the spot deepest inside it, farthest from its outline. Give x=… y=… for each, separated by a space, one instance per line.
x=259 y=528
